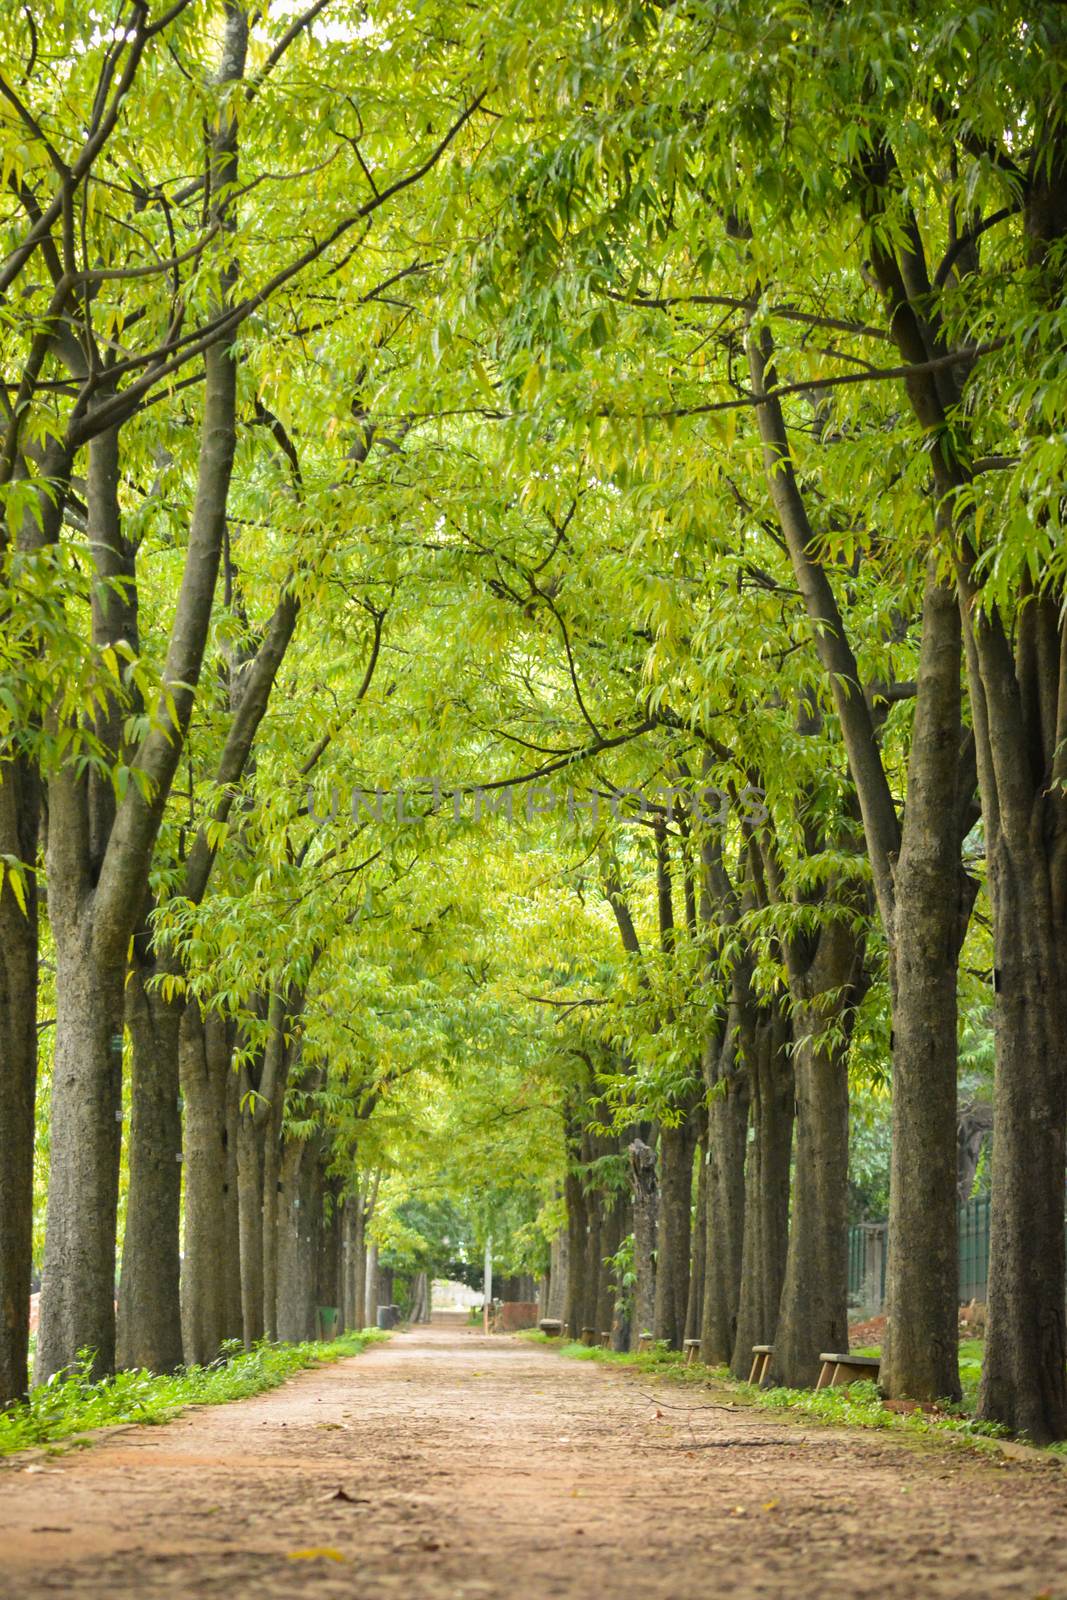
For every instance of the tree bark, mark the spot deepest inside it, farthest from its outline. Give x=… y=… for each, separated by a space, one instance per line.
x=646 y=1207
x=346 y=1283
x=328 y=1281
x=920 y=1352
x=766 y=1235
x=299 y=1238
x=149 y=1313
x=358 y=1268
x=1023 y=1376
x=577 y=1254
x=694 y=1314
x=250 y=1203
x=557 y=1283
x=370 y=1318
x=19 y=813
x=220 y=1051
x=813 y=1315
x=673 y=1230
x=78 y=1286
x=595 y=1207
x=727 y=1137
x=211 y=1266
x=614 y=1229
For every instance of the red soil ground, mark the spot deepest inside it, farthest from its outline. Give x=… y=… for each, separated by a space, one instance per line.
x=444 y=1464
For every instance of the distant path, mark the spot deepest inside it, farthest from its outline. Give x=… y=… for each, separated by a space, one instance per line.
x=489 y=1467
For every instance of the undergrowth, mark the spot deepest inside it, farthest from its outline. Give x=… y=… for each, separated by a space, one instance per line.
x=73 y=1402
x=857 y=1405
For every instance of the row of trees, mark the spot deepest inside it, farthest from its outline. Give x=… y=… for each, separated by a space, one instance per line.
x=532 y=656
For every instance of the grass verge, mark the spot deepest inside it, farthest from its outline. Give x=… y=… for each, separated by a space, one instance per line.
x=73 y=1403
x=859 y=1405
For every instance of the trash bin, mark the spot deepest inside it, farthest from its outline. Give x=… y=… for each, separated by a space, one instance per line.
x=387 y=1317
x=328 y=1318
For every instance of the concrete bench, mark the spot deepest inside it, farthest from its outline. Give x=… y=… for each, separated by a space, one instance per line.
x=761 y=1362
x=692 y=1351
x=589 y=1337
x=605 y=1340
x=846 y=1368
x=551 y=1327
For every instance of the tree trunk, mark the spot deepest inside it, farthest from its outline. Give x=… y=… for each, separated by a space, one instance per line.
x=1023 y=1376
x=211 y=1266
x=611 y=1236
x=813 y=1315
x=328 y=1270
x=557 y=1283
x=920 y=1354
x=766 y=1234
x=419 y=1311
x=370 y=1318
x=250 y=1200
x=694 y=1314
x=646 y=1207
x=576 y=1200
x=149 y=1312
x=220 y=1050
x=673 y=1231
x=272 y=1206
x=358 y=1268
x=594 y=1217
x=299 y=1240
x=85 y=1132
x=346 y=1298
x=19 y=812
x=727 y=1137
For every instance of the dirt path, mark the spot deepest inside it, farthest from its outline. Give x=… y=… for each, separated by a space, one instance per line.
x=490 y=1467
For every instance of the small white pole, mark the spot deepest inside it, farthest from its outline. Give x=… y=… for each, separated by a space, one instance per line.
x=488 y=1282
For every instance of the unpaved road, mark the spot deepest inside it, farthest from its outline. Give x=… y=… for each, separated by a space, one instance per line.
x=492 y=1468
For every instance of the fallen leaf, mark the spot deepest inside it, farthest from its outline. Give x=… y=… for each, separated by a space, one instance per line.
x=770 y=1505
x=350 y=1499
x=324 y=1554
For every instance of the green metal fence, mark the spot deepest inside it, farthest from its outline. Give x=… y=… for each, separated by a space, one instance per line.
x=856 y=1258
x=974 y=1249
x=867 y=1257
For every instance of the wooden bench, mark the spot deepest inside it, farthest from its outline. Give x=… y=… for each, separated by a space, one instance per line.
x=551 y=1327
x=692 y=1351
x=838 y=1368
x=761 y=1361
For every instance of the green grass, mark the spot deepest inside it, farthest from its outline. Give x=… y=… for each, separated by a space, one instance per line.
x=71 y=1402
x=857 y=1405
x=659 y=1362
